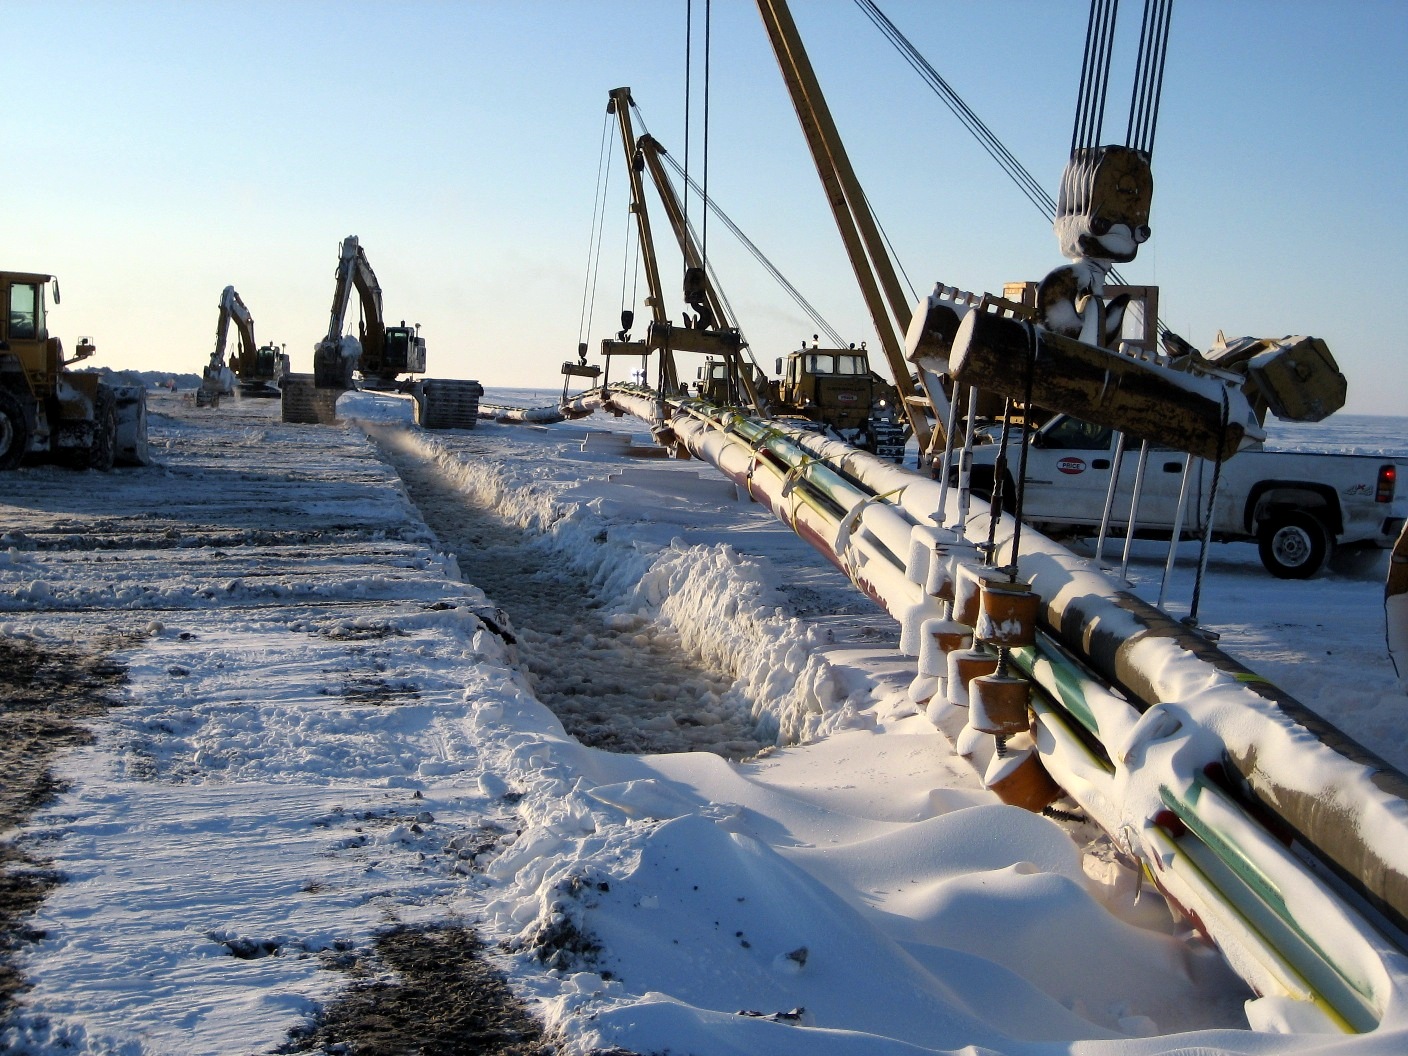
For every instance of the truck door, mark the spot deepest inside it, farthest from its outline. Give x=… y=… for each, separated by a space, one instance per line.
x=27 y=332
x=1068 y=477
x=1068 y=471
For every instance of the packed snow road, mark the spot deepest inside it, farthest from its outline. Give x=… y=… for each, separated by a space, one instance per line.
x=327 y=775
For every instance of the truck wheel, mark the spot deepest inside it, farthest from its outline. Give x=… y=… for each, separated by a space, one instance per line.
x=1293 y=545
x=14 y=431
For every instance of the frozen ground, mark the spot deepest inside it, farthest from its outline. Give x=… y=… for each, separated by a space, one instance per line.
x=329 y=733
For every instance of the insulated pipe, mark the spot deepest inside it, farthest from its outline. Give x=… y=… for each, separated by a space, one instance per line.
x=1350 y=810
x=1328 y=794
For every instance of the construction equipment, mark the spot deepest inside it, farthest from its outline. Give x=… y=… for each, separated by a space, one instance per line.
x=1266 y=828
x=47 y=410
x=256 y=370
x=835 y=389
x=889 y=307
x=379 y=355
x=709 y=331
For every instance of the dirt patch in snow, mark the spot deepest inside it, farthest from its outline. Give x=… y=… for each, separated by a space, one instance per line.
x=424 y=990
x=49 y=692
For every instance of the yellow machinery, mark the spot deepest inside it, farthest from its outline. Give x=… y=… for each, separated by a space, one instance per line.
x=46 y=409
x=258 y=371
x=836 y=388
x=378 y=356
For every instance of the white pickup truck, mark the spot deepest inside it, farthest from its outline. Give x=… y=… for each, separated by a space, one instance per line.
x=1297 y=506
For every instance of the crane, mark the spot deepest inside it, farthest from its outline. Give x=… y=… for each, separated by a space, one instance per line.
x=709 y=331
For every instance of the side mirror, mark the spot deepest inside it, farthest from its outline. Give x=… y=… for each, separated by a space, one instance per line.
x=777 y=367
x=56 y=291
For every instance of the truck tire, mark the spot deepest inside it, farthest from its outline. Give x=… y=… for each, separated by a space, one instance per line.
x=14 y=431
x=1293 y=544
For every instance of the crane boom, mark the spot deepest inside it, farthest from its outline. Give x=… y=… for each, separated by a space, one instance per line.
x=880 y=287
x=711 y=332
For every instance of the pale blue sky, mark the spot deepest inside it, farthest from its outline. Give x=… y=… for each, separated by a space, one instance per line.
x=161 y=151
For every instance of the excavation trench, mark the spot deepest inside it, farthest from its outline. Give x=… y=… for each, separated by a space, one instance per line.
x=617 y=683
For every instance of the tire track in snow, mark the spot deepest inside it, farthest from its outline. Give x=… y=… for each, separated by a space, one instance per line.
x=616 y=683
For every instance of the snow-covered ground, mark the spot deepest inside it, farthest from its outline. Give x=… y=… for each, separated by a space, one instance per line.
x=330 y=729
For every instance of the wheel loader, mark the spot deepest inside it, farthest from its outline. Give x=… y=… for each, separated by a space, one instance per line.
x=49 y=411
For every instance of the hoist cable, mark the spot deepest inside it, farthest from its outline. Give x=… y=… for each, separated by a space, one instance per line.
x=1149 y=75
x=1094 y=75
x=1211 y=507
x=1020 y=499
x=758 y=255
x=688 y=86
x=1025 y=181
x=708 y=33
x=603 y=177
x=1083 y=88
x=914 y=295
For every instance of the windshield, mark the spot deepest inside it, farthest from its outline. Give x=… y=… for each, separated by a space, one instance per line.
x=827 y=363
x=1072 y=434
x=26 y=312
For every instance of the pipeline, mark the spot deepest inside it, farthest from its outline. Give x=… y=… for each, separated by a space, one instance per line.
x=1281 y=838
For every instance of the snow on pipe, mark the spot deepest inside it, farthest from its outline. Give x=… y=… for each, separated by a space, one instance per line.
x=500 y=412
x=1338 y=807
x=1150 y=759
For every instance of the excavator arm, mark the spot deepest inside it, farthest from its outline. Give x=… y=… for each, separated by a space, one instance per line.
x=232 y=310
x=218 y=379
x=332 y=363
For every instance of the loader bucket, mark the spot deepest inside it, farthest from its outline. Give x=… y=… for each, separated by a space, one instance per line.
x=131 y=447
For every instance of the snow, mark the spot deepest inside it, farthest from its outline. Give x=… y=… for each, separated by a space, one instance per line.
x=324 y=732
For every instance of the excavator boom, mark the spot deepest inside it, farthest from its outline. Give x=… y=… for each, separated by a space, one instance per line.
x=381 y=353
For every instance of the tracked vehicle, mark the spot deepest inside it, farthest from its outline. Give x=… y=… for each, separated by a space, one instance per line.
x=836 y=389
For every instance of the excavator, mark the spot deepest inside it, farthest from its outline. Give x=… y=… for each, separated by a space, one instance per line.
x=377 y=356
x=256 y=370
x=381 y=353
x=47 y=410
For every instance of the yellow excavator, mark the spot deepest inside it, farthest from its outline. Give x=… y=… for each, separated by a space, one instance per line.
x=256 y=370
x=46 y=410
x=377 y=356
